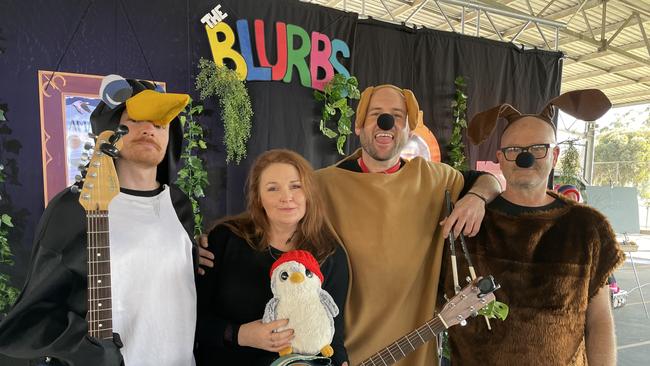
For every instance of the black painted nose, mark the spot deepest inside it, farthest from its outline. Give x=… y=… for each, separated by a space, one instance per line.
x=385 y=121
x=525 y=160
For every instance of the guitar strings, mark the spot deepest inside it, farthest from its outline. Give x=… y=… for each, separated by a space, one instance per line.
x=388 y=353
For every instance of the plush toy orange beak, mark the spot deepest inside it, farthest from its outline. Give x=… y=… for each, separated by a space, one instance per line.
x=159 y=108
x=296 y=277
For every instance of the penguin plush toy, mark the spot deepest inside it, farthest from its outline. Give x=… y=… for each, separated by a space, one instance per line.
x=297 y=295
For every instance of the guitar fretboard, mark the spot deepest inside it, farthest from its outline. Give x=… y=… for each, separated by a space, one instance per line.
x=100 y=315
x=405 y=345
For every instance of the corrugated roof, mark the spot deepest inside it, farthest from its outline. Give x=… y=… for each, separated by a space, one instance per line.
x=621 y=68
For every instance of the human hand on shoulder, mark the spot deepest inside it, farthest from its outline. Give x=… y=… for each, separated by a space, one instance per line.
x=206 y=257
x=264 y=336
x=466 y=216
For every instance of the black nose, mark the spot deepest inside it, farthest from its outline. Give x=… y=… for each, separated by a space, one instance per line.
x=385 y=121
x=525 y=160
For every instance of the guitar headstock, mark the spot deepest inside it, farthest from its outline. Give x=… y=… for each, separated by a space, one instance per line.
x=469 y=301
x=101 y=184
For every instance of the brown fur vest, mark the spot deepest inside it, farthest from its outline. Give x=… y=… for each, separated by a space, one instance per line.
x=549 y=264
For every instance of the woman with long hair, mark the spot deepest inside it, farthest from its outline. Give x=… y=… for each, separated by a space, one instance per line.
x=284 y=212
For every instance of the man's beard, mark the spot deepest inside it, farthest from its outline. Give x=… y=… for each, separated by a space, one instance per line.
x=367 y=144
x=530 y=182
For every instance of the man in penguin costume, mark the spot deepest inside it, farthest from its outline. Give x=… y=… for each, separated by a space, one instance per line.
x=153 y=256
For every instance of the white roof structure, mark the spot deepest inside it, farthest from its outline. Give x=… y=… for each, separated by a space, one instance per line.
x=605 y=41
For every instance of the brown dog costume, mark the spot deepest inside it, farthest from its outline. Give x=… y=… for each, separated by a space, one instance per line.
x=550 y=262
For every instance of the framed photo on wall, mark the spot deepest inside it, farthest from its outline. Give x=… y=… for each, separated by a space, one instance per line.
x=66 y=102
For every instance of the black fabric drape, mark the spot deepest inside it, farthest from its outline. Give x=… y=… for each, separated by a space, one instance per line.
x=428 y=61
x=171 y=38
x=285 y=114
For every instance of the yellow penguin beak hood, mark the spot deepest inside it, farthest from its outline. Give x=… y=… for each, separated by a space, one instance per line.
x=159 y=108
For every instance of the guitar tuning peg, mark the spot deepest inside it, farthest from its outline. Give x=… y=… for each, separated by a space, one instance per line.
x=84 y=156
x=119 y=132
x=463 y=323
x=468 y=279
x=78 y=178
x=88 y=146
x=92 y=135
x=74 y=189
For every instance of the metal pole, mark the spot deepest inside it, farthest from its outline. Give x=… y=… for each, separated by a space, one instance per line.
x=543 y=37
x=493 y=26
x=609 y=41
x=388 y=11
x=589 y=153
x=638 y=283
x=602 y=27
x=645 y=36
x=444 y=15
x=520 y=31
x=577 y=11
x=511 y=14
x=417 y=10
x=462 y=20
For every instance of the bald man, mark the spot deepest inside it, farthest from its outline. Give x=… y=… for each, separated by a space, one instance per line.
x=551 y=255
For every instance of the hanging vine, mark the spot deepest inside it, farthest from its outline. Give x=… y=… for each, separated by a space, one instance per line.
x=8 y=294
x=192 y=177
x=234 y=101
x=456 y=146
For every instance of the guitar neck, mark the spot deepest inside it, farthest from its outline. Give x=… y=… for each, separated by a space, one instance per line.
x=407 y=344
x=100 y=315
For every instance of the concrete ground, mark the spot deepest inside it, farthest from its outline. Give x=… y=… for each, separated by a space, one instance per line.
x=632 y=323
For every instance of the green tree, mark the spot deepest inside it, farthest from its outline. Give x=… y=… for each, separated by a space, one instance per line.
x=569 y=166
x=622 y=158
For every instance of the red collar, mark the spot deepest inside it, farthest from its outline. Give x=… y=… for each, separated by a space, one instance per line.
x=391 y=170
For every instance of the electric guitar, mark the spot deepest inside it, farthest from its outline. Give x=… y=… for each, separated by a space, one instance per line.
x=465 y=304
x=100 y=186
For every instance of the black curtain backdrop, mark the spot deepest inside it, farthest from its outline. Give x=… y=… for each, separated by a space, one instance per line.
x=428 y=61
x=164 y=40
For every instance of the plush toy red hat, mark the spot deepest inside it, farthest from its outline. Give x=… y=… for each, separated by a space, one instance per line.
x=301 y=256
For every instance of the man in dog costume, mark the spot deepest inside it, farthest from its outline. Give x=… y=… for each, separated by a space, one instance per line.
x=387 y=212
x=551 y=255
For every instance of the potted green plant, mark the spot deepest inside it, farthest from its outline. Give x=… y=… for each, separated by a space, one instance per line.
x=335 y=97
